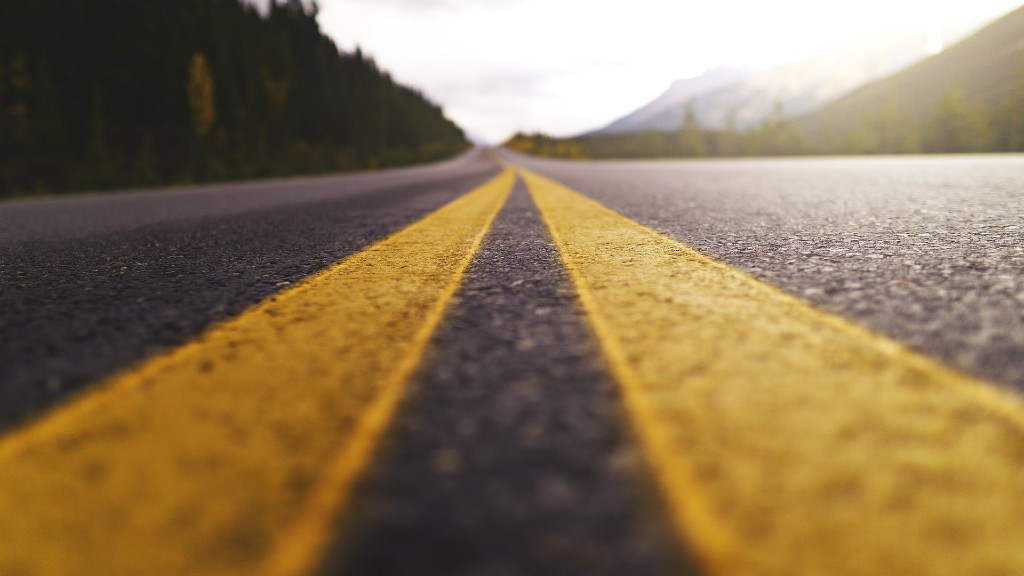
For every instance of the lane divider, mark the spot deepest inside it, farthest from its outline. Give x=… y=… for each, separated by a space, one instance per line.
x=234 y=453
x=787 y=441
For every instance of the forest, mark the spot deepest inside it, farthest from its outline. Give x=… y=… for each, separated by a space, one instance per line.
x=953 y=125
x=967 y=98
x=99 y=94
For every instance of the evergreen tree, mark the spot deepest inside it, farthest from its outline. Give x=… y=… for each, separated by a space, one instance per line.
x=200 y=89
x=954 y=126
x=691 y=135
x=1008 y=119
x=106 y=93
x=894 y=130
x=729 y=139
x=777 y=135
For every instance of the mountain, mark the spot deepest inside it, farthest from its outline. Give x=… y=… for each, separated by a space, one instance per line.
x=971 y=95
x=801 y=86
x=969 y=98
x=125 y=93
x=666 y=111
x=789 y=90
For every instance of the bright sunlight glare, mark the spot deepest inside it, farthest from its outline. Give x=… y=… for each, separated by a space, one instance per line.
x=566 y=66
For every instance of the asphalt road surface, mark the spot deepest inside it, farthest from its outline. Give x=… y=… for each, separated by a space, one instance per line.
x=535 y=434
x=94 y=283
x=929 y=250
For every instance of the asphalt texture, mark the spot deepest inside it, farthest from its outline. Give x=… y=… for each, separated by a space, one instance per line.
x=95 y=283
x=928 y=250
x=511 y=454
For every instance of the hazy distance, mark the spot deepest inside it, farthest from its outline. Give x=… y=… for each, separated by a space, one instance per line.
x=569 y=66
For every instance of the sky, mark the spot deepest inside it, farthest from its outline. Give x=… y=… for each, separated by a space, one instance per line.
x=568 y=66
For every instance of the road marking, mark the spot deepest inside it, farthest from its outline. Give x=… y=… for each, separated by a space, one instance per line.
x=232 y=454
x=788 y=441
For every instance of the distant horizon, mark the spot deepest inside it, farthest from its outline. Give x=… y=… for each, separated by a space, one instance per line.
x=503 y=67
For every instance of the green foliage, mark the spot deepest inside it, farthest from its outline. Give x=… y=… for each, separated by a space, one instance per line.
x=954 y=126
x=113 y=93
x=691 y=136
x=729 y=141
x=893 y=130
x=200 y=89
x=543 y=145
x=1007 y=122
x=776 y=136
x=968 y=98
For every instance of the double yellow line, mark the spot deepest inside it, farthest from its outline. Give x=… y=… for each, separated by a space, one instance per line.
x=232 y=454
x=785 y=441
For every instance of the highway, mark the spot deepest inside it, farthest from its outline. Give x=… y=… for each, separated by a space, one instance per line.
x=94 y=283
x=928 y=250
x=506 y=365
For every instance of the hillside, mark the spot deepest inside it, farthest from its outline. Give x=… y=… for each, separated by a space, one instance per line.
x=744 y=99
x=969 y=97
x=666 y=111
x=115 y=93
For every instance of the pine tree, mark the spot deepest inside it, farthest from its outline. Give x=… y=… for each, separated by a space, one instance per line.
x=1008 y=119
x=691 y=135
x=954 y=126
x=194 y=89
x=200 y=89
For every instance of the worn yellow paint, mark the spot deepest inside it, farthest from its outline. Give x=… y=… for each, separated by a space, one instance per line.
x=232 y=454
x=787 y=441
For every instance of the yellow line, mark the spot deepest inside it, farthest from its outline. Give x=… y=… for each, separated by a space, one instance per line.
x=787 y=441
x=233 y=453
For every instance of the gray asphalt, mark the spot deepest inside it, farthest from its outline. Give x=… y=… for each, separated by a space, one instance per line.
x=512 y=454
x=92 y=284
x=60 y=218
x=928 y=250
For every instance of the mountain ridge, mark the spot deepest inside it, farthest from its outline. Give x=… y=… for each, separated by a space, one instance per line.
x=792 y=89
x=980 y=75
x=968 y=98
x=674 y=97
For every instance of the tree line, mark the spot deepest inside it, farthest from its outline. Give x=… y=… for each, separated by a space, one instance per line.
x=952 y=125
x=100 y=94
x=775 y=136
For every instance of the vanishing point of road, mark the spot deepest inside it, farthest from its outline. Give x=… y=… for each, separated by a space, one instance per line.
x=504 y=365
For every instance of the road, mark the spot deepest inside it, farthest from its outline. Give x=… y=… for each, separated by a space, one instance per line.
x=926 y=250
x=95 y=283
x=778 y=366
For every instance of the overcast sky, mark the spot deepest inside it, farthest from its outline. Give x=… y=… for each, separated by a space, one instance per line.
x=566 y=66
